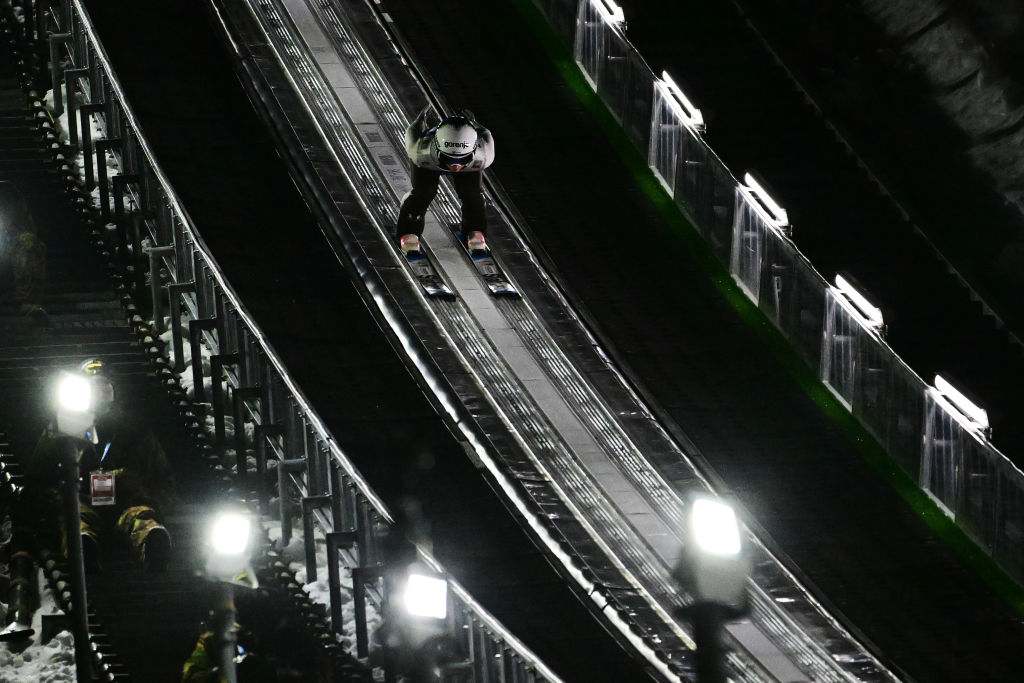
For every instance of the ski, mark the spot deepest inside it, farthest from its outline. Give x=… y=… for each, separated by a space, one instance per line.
x=431 y=282
x=494 y=277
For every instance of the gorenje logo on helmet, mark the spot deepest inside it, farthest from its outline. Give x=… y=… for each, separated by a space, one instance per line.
x=461 y=145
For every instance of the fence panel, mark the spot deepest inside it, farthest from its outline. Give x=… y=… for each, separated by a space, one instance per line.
x=590 y=41
x=940 y=457
x=749 y=229
x=665 y=148
x=978 y=499
x=838 y=348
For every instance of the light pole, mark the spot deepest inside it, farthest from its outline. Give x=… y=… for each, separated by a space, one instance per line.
x=75 y=421
x=229 y=545
x=713 y=568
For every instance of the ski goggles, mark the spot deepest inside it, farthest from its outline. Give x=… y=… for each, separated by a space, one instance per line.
x=453 y=162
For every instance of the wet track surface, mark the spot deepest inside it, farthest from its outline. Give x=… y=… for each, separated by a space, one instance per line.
x=795 y=470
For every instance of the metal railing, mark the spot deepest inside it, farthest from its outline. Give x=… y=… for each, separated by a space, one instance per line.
x=245 y=380
x=926 y=432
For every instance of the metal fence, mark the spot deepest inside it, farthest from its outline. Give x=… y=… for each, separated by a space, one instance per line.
x=245 y=381
x=927 y=431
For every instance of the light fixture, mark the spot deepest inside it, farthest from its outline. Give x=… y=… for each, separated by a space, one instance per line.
x=74 y=393
x=872 y=315
x=425 y=595
x=228 y=548
x=713 y=566
x=680 y=103
x=610 y=12
x=73 y=401
x=779 y=217
x=229 y=533
x=714 y=528
x=976 y=414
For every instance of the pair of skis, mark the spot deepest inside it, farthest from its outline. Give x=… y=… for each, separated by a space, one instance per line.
x=482 y=259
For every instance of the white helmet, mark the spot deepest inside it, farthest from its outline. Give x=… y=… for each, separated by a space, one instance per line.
x=455 y=141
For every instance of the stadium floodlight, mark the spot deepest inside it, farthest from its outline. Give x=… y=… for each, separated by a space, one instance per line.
x=425 y=595
x=74 y=406
x=229 y=533
x=869 y=313
x=610 y=12
x=977 y=415
x=229 y=544
x=778 y=215
x=714 y=528
x=680 y=103
x=713 y=566
x=74 y=393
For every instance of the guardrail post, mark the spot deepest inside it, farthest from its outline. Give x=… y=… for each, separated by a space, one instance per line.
x=284 y=468
x=120 y=189
x=85 y=111
x=174 y=292
x=154 y=285
x=102 y=146
x=217 y=363
x=69 y=86
x=308 y=542
x=262 y=434
x=138 y=219
x=56 y=39
x=314 y=455
x=241 y=395
x=360 y=577
x=337 y=482
x=336 y=540
x=195 y=334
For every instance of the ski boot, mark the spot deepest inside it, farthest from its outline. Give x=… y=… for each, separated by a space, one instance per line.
x=409 y=243
x=475 y=241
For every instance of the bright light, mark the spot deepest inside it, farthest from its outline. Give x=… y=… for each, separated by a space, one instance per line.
x=779 y=214
x=872 y=314
x=680 y=103
x=609 y=11
x=229 y=534
x=976 y=414
x=74 y=393
x=426 y=596
x=714 y=528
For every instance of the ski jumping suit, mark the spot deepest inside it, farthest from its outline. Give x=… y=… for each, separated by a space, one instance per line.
x=430 y=162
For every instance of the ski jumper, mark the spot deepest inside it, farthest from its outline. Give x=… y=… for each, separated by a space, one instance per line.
x=462 y=157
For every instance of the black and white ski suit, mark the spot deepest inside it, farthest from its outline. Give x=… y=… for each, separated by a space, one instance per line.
x=427 y=171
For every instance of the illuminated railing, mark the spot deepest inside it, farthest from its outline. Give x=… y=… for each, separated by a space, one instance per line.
x=937 y=440
x=245 y=380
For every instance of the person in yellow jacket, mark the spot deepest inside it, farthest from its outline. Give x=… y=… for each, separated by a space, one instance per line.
x=133 y=461
x=270 y=646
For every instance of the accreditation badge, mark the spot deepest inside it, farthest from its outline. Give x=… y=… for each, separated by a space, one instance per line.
x=101 y=486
